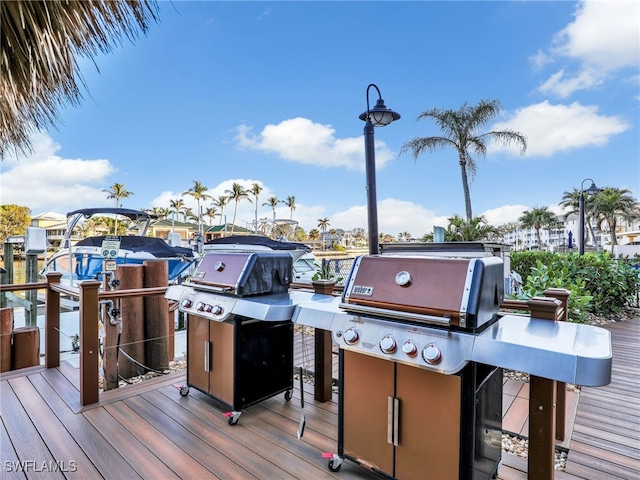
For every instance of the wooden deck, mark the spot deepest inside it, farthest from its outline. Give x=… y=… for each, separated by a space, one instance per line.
x=150 y=431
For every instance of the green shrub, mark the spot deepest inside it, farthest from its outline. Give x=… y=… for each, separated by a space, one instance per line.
x=598 y=283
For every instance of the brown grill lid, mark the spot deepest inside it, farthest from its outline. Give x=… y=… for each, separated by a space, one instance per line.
x=243 y=273
x=454 y=290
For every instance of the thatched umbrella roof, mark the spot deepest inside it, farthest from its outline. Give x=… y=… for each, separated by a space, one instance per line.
x=39 y=44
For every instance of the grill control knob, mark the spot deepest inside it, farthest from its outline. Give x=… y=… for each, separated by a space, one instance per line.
x=432 y=354
x=186 y=303
x=351 y=336
x=217 y=310
x=200 y=306
x=208 y=308
x=409 y=348
x=388 y=344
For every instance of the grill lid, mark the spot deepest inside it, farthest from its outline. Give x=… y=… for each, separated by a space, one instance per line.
x=243 y=273
x=447 y=291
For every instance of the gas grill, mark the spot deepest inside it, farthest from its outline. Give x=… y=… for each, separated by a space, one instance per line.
x=421 y=355
x=239 y=329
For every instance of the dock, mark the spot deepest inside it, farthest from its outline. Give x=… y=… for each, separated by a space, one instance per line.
x=149 y=430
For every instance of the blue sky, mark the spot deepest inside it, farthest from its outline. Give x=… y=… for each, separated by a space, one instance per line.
x=271 y=91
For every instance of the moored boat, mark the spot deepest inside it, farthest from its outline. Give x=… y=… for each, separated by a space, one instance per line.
x=84 y=260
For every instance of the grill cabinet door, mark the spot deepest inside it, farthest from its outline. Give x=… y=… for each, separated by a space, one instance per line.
x=197 y=349
x=367 y=385
x=429 y=432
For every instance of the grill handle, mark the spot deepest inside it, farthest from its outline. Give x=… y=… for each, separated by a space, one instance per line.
x=207 y=356
x=444 y=321
x=393 y=420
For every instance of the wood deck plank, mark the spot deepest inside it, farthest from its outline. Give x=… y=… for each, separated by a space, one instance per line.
x=96 y=448
x=24 y=436
x=164 y=449
x=217 y=463
x=52 y=431
x=606 y=437
x=132 y=450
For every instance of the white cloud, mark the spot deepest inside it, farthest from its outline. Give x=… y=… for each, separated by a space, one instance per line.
x=504 y=214
x=603 y=38
x=394 y=216
x=43 y=180
x=555 y=128
x=303 y=141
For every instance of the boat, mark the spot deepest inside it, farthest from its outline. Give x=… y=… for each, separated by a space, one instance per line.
x=305 y=264
x=86 y=258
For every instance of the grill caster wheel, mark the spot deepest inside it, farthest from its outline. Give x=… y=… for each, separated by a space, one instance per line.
x=184 y=391
x=233 y=421
x=333 y=467
x=287 y=395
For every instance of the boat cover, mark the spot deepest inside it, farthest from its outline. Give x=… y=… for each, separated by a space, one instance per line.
x=258 y=240
x=155 y=246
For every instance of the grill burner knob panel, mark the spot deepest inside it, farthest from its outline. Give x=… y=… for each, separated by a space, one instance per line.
x=409 y=348
x=388 y=344
x=351 y=336
x=432 y=354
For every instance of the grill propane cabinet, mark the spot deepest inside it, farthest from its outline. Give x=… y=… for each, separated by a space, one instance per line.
x=421 y=355
x=239 y=329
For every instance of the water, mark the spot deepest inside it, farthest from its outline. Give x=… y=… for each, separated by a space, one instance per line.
x=20 y=270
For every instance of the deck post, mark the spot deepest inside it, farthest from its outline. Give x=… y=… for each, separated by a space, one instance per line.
x=89 y=305
x=542 y=403
x=52 y=322
x=561 y=387
x=323 y=365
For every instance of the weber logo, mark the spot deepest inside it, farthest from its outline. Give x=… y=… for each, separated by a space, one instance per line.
x=362 y=290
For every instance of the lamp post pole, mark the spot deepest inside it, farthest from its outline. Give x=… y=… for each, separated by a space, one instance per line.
x=379 y=116
x=581 y=223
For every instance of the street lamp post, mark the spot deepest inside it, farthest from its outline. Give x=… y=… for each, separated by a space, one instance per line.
x=591 y=189
x=378 y=116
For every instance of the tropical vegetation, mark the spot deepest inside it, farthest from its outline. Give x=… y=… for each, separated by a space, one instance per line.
x=460 y=132
x=598 y=283
x=41 y=43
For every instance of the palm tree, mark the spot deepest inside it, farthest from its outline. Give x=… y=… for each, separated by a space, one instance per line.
x=460 y=230
x=459 y=128
x=273 y=203
x=236 y=194
x=538 y=218
x=40 y=45
x=198 y=191
x=571 y=202
x=178 y=206
x=118 y=191
x=211 y=212
x=323 y=223
x=221 y=202
x=291 y=203
x=256 y=188
x=611 y=203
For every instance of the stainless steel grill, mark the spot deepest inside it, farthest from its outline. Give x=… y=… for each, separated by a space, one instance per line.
x=421 y=351
x=239 y=329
